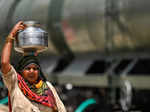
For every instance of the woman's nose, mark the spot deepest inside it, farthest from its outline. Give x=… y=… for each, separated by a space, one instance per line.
x=31 y=70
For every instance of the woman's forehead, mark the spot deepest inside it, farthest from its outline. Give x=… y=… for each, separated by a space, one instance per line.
x=32 y=65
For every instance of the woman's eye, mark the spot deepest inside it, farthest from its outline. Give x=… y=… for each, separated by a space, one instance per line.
x=27 y=68
x=34 y=68
x=37 y=68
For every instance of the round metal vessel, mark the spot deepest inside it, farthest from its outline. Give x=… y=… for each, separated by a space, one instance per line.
x=32 y=39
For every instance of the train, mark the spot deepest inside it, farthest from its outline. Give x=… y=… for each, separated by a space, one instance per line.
x=93 y=44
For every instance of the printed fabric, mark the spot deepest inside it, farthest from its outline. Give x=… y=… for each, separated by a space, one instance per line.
x=47 y=99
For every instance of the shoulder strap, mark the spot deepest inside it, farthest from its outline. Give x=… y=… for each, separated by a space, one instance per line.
x=9 y=103
x=59 y=103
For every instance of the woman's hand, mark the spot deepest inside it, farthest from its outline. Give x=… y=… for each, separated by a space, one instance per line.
x=19 y=26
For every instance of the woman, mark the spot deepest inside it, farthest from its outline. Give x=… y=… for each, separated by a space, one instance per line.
x=28 y=90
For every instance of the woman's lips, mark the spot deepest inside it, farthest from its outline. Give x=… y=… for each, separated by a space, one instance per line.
x=31 y=75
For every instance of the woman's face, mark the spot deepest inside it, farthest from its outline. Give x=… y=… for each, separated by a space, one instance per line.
x=30 y=73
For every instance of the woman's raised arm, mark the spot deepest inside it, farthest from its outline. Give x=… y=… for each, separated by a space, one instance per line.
x=6 y=51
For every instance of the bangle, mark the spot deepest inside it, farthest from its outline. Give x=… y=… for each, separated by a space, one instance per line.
x=9 y=39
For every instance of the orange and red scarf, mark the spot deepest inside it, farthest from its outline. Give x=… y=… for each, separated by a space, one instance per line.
x=47 y=99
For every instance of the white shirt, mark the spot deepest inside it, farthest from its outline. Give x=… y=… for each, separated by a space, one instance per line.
x=20 y=103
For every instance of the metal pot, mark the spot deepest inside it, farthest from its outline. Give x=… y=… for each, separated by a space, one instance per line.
x=32 y=39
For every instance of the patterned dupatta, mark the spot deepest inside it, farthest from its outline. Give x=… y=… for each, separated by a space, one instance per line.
x=47 y=99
